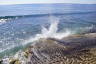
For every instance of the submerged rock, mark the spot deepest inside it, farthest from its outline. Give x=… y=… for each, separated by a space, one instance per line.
x=75 y=49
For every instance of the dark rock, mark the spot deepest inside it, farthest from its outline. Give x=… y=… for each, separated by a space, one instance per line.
x=1 y=61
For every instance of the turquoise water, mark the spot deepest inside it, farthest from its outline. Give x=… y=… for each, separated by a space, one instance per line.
x=20 y=22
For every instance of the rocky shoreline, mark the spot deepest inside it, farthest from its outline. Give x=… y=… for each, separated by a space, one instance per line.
x=74 y=49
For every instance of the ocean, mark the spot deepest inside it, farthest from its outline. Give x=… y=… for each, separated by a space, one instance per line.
x=20 y=24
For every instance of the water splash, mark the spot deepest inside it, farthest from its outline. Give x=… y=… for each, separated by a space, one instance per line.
x=50 y=32
x=2 y=21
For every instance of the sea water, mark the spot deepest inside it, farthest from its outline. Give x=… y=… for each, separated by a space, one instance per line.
x=21 y=25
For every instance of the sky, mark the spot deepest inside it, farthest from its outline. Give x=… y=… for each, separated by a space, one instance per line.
x=4 y=2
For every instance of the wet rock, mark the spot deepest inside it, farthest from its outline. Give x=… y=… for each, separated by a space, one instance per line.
x=26 y=53
x=74 y=49
x=17 y=62
x=1 y=61
x=14 y=61
x=92 y=30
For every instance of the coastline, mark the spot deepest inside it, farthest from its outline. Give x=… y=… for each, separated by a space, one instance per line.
x=71 y=44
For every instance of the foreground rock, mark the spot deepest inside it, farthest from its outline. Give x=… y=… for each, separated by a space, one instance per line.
x=14 y=61
x=75 y=49
x=1 y=61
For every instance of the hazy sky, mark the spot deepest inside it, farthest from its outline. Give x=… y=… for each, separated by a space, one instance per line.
x=46 y=1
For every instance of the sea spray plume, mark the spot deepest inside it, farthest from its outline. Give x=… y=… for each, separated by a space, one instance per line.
x=50 y=32
x=52 y=29
x=54 y=25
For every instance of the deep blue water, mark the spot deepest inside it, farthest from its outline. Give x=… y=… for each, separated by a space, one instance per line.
x=33 y=9
x=20 y=22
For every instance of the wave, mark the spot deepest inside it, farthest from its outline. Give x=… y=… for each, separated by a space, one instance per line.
x=48 y=14
x=2 y=21
x=45 y=33
x=50 y=32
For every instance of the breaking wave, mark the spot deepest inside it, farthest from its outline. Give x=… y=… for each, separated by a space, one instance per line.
x=51 y=32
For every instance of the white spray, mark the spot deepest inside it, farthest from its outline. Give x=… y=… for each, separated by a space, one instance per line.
x=50 y=32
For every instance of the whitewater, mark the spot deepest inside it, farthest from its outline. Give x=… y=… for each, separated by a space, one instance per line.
x=51 y=32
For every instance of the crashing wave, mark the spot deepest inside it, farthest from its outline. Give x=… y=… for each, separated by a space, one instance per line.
x=51 y=32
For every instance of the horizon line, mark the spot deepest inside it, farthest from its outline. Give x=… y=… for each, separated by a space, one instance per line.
x=47 y=3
